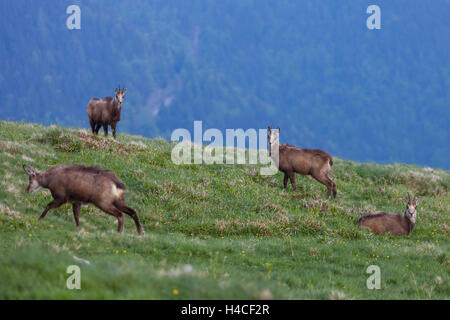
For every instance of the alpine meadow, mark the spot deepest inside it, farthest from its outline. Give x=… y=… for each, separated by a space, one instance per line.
x=217 y=231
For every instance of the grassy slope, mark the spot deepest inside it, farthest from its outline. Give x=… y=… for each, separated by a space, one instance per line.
x=243 y=235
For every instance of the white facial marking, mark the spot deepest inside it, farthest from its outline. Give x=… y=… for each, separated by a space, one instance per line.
x=411 y=212
x=33 y=185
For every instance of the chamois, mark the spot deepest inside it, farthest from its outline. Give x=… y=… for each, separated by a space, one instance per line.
x=398 y=224
x=105 y=112
x=78 y=184
x=291 y=160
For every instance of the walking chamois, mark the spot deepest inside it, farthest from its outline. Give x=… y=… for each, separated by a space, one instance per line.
x=105 y=112
x=398 y=224
x=291 y=160
x=77 y=184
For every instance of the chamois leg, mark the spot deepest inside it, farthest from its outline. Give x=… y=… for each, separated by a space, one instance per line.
x=292 y=178
x=76 y=212
x=131 y=212
x=112 y=210
x=285 y=181
x=97 y=127
x=329 y=192
x=333 y=186
x=120 y=219
x=92 y=123
x=52 y=205
x=105 y=128
x=323 y=179
x=113 y=129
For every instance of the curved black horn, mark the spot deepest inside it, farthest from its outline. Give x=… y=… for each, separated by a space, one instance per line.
x=29 y=171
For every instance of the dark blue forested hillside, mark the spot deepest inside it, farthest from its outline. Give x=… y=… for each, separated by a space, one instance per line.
x=311 y=67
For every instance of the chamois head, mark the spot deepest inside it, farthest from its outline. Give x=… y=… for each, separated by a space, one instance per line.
x=411 y=207
x=273 y=136
x=33 y=174
x=119 y=95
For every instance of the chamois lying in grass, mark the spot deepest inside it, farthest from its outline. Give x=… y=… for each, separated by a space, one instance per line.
x=105 y=112
x=291 y=160
x=79 y=185
x=398 y=224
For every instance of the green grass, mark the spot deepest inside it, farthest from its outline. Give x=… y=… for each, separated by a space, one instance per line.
x=214 y=232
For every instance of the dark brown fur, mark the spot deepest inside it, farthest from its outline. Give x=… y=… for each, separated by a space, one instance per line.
x=105 y=112
x=314 y=162
x=77 y=184
x=398 y=224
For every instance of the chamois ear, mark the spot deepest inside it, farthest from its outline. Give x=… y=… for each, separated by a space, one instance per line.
x=278 y=128
x=416 y=199
x=124 y=90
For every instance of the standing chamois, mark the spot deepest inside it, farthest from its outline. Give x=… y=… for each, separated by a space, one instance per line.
x=314 y=162
x=79 y=185
x=105 y=112
x=398 y=224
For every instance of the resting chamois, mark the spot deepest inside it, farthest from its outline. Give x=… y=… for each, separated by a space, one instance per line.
x=79 y=185
x=105 y=112
x=314 y=162
x=398 y=224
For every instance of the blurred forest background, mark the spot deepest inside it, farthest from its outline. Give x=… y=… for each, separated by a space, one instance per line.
x=311 y=67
